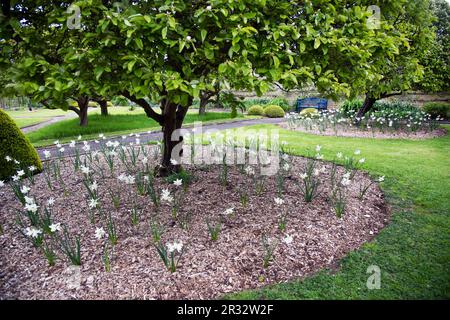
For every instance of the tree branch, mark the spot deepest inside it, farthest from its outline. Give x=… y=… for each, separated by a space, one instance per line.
x=146 y=106
x=74 y=110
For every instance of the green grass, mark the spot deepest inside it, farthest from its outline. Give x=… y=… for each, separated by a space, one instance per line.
x=114 y=124
x=24 y=118
x=413 y=251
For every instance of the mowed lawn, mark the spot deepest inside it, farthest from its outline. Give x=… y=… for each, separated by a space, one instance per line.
x=25 y=118
x=114 y=124
x=413 y=251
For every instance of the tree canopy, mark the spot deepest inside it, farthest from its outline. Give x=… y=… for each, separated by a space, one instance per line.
x=168 y=51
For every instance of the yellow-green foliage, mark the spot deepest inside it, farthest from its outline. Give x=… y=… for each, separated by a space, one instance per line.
x=14 y=144
x=255 y=110
x=309 y=112
x=274 y=111
x=93 y=104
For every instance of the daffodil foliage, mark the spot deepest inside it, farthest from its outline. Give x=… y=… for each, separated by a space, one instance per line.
x=168 y=51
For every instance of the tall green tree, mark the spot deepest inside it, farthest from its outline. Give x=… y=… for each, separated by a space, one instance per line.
x=412 y=22
x=171 y=50
x=436 y=60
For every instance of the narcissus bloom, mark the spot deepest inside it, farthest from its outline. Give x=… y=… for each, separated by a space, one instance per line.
x=178 y=182
x=278 y=201
x=99 y=233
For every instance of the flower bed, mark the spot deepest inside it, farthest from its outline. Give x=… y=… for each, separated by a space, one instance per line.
x=381 y=124
x=211 y=230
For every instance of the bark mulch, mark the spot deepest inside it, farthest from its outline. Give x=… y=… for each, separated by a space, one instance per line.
x=207 y=269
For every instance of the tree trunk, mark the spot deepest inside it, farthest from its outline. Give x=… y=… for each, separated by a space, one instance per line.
x=173 y=119
x=103 y=107
x=83 y=104
x=367 y=106
x=202 y=108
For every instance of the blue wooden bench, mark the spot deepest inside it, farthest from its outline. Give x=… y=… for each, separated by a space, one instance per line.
x=318 y=103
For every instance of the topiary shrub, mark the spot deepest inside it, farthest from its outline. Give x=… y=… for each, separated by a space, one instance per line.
x=436 y=109
x=274 y=111
x=14 y=144
x=309 y=112
x=255 y=110
x=282 y=102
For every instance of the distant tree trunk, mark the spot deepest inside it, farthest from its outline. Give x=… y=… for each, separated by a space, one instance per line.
x=202 y=107
x=103 y=107
x=83 y=105
x=369 y=101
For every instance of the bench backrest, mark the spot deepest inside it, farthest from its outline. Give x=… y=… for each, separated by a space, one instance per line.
x=317 y=103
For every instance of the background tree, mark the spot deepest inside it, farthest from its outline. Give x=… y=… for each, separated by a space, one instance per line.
x=168 y=51
x=436 y=60
x=412 y=21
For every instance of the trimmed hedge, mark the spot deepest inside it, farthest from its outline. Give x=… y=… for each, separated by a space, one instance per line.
x=14 y=144
x=440 y=109
x=274 y=111
x=255 y=110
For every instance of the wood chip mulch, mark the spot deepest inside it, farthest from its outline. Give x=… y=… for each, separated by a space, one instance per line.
x=208 y=269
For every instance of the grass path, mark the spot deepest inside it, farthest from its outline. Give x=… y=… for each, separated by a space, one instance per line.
x=413 y=251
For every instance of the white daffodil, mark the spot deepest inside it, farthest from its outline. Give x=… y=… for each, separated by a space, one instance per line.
x=8 y=159
x=16 y=162
x=303 y=176
x=86 y=148
x=209 y=8
x=55 y=227
x=165 y=195
x=32 y=207
x=61 y=150
x=72 y=144
x=319 y=156
x=28 y=199
x=285 y=156
x=357 y=151
x=56 y=142
x=15 y=178
x=20 y=173
x=32 y=232
x=381 y=179
x=228 y=211
x=286 y=166
x=47 y=154
x=79 y=137
x=339 y=155
x=188 y=38
x=173 y=162
x=93 y=203
x=279 y=201
x=345 y=182
x=362 y=160
x=32 y=168
x=250 y=171
x=85 y=170
x=178 y=182
x=318 y=147
x=99 y=233
x=171 y=247
x=288 y=239
x=101 y=135
x=51 y=201
x=93 y=186
x=2 y=183
x=145 y=160
x=24 y=189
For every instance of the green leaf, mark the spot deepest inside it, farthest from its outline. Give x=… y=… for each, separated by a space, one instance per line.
x=276 y=61
x=203 y=34
x=316 y=43
x=164 y=33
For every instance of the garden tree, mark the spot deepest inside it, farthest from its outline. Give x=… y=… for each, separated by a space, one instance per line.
x=412 y=20
x=436 y=60
x=170 y=51
x=34 y=59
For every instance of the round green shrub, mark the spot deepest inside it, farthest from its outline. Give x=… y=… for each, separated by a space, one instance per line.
x=440 y=109
x=309 y=112
x=255 y=110
x=14 y=144
x=282 y=102
x=274 y=111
